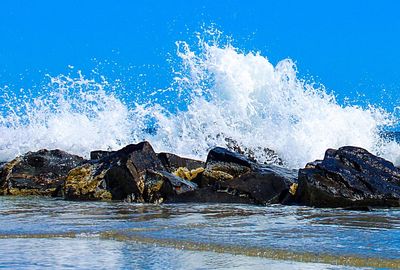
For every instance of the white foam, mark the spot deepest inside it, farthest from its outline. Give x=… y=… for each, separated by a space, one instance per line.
x=77 y=116
x=260 y=105
x=229 y=94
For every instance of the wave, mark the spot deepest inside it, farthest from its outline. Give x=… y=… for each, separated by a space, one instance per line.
x=220 y=96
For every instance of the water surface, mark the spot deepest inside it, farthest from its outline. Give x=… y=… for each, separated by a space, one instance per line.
x=37 y=233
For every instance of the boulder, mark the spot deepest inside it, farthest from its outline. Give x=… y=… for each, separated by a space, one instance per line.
x=37 y=173
x=267 y=185
x=173 y=162
x=210 y=195
x=232 y=177
x=162 y=186
x=186 y=168
x=270 y=156
x=87 y=182
x=349 y=177
x=98 y=154
x=1 y=167
x=133 y=173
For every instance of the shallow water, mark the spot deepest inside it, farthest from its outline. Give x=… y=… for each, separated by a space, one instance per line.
x=37 y=233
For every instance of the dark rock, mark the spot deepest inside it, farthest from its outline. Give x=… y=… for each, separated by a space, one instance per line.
x=1 y=167
x=162 y=186
x=271 y=157
x=173 y=162
x=37 y=173
x=210 y=195
x=350 y=177
x=232 y=177
x=219 y=154
x=263 y=186
x=98 y=154
x=114 y=176
x=133 y=173
x=185 y=168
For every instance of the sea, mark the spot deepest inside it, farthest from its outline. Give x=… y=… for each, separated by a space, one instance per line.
x=219 y=94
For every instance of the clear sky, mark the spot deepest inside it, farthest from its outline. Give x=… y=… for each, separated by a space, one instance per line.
x=352 y=47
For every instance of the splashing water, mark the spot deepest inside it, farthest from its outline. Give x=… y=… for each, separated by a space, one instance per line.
x=76 y=115
x=227 y=95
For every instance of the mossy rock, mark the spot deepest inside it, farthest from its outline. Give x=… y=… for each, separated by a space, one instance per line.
x=187 y=174
x=86 y=183
x=37 y=173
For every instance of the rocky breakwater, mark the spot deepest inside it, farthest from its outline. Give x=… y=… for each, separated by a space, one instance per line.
x=349 y=177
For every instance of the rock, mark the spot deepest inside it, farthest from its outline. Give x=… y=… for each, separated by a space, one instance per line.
x=193 y=175
x=271 y=157
x=37 y=173
x=264 y=186
x=242 y=180
x=209 y=195
x=98 y=154
x=219 y=154
x=163 y=186
x=121 y=173
x=185 y=168
x=173 y=162
x=133 y=173
x=350 y=177
x=1 y=167
x=223 y=164
x=87 y=182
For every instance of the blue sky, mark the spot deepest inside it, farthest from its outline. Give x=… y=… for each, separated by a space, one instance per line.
x=352 y=47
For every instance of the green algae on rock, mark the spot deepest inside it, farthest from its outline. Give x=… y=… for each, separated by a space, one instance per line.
x=231 y=177
x=133 y=173
x=173 y=162
x=86 y=183
x=37 y=173
x=187 y=174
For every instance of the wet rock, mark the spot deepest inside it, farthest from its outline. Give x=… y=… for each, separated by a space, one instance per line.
x=210 y=195
x=191 y=175
x=1 y=167
x=87 y=182
x=222 y=165
x=121 y=173
x=133 y=173
x=271 y=157
x=232 y=177
x=349 y=177
x=185 y=168
x=262 y=186
x=173 y=162
x=163 y=186
x=37 y=173
x=98 y=154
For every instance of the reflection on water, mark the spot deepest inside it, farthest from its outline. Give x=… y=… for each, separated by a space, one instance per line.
x=40 y=232
x=105 y=254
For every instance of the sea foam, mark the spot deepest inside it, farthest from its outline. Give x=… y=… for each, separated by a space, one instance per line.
x=219 y=95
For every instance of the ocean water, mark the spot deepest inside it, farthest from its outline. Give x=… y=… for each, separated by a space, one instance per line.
x=219 y=94
x=43 y=233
